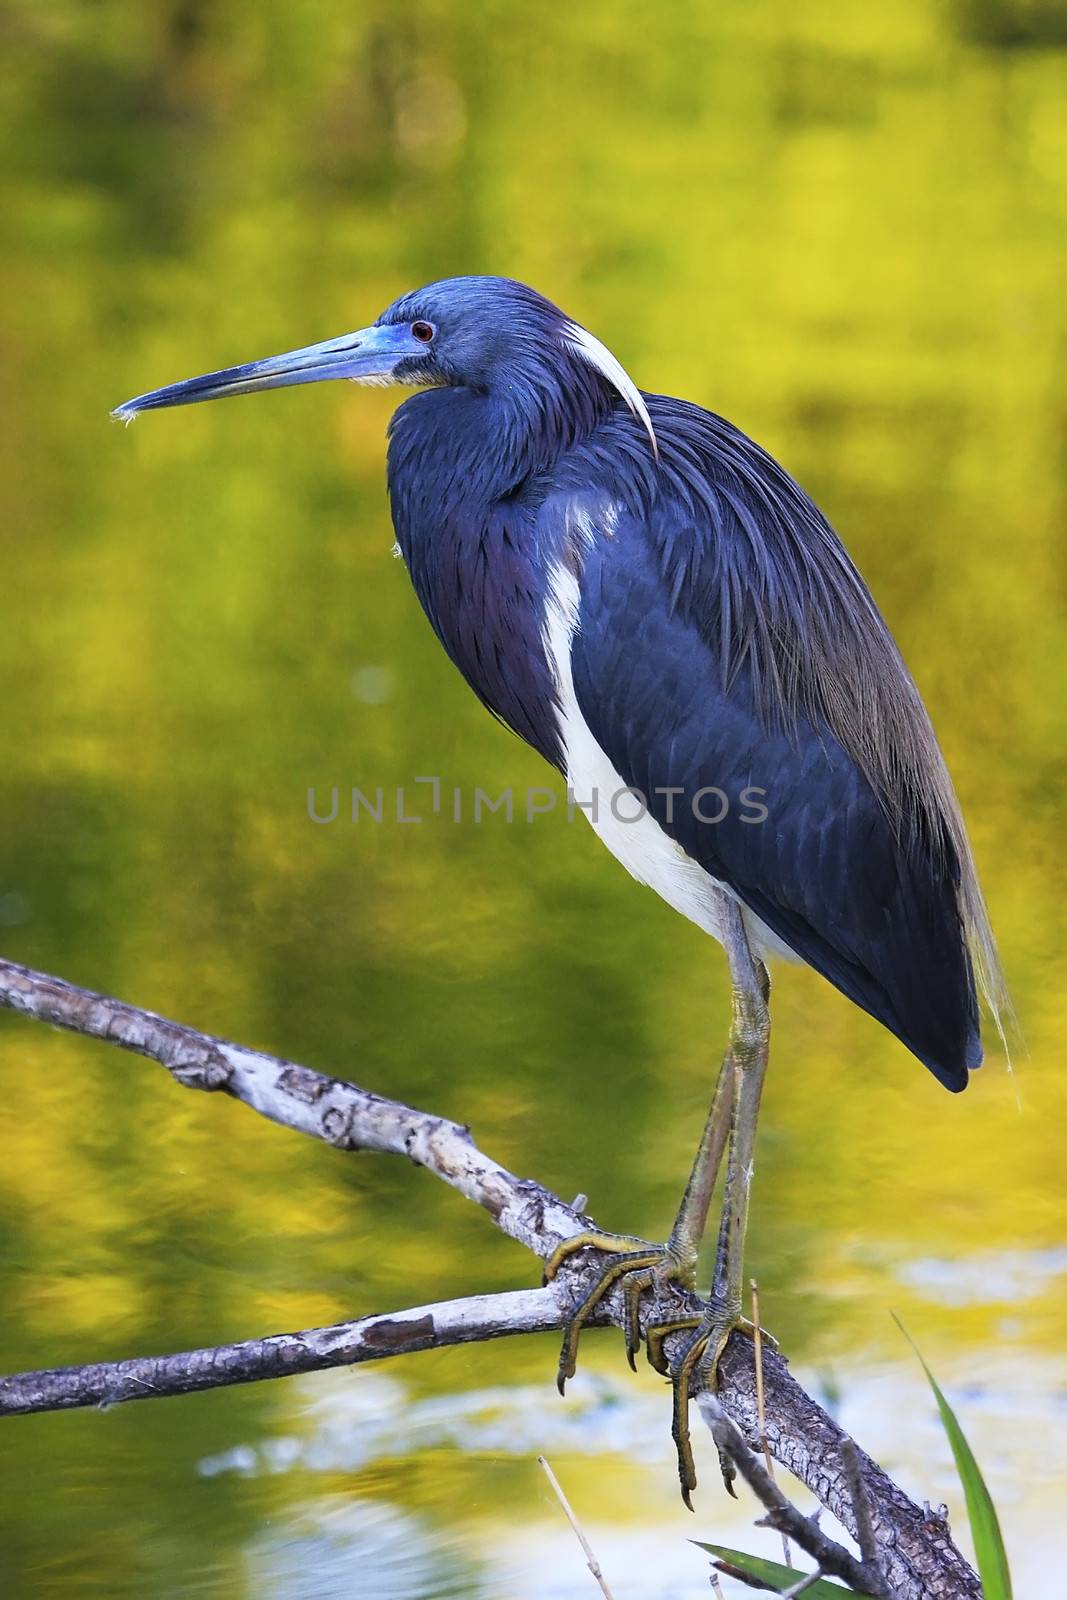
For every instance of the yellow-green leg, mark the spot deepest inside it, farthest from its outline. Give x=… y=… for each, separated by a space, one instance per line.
x=731 y=1129
x=638 y=1262
x=749 y=1043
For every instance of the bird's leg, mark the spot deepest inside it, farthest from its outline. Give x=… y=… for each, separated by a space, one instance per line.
x=692 y=1218
x=640 y=1264
x=749 y=1041
x=637 y=1265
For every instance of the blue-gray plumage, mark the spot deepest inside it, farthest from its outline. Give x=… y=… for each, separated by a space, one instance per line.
x=647 y=598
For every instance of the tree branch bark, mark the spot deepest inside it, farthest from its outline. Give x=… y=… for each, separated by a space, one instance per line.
x=864 y=1576
x=283 y=1355
x=914 y=1550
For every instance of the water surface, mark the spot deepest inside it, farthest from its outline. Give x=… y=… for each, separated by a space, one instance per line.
x=843 y=230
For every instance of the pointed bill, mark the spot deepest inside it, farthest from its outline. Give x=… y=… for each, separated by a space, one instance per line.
x=383 y=354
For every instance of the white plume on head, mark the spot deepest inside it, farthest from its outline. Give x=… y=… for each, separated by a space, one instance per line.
x=586 y=345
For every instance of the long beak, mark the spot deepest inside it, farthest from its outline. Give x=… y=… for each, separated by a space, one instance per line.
x=372 y=355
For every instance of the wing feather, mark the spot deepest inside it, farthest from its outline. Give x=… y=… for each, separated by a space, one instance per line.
x=725 y=639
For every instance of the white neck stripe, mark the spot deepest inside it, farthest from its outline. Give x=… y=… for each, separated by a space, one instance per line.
x=598 y=355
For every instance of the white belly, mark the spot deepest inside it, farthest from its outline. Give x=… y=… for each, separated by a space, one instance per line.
x=633 y=836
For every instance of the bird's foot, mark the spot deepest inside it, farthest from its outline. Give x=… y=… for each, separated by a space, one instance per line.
x=639 y=1265
x=695 y=1369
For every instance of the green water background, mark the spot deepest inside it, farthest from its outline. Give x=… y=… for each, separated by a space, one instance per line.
x=842 y=228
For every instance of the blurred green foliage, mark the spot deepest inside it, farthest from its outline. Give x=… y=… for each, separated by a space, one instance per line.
x=843 y=228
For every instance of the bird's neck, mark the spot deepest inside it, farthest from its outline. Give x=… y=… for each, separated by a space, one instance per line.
x=467 y=476
x=456 y=446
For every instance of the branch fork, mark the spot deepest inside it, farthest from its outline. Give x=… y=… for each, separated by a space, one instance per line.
x=905 y=1554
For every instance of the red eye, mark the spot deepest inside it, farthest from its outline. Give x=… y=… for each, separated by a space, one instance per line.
x=423 y=331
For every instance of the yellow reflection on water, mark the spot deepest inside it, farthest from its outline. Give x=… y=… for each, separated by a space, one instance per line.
x=844 y=230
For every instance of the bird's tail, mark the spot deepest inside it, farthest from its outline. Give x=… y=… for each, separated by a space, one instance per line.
x=978 y=931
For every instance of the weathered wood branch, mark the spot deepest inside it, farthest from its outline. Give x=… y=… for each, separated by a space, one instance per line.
x=865 y=1575
x=914 y=1551
x=310 y=1102
x=396 y=1333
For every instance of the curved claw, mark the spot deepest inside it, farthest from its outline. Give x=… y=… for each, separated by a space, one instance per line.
x=728 y=1473
x=625 y=1262
x=687 y=1361
x=640 y=1265
x=700 y=1357
x=627 y=1257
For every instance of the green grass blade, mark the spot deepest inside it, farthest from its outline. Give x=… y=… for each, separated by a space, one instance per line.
x=774 y=1573
x=985 y=1528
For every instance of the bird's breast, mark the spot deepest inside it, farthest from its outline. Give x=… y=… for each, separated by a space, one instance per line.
x=484 y=590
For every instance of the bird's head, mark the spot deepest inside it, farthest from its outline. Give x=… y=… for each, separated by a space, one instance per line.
x=489 y=335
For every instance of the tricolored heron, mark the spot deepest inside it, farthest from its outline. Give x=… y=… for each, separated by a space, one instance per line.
x=647 y=598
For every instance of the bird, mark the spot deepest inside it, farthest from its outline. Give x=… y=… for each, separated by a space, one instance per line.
x=639 y=591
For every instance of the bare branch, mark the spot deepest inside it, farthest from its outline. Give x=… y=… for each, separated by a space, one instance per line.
x=328 y=1108
x=106 y=1383
x=757 y=1340
x=920 y=1561
x=781 y=1512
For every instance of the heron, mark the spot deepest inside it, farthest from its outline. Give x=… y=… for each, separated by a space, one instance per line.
x=644 y=595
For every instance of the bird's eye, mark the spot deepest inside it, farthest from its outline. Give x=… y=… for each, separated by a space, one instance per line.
x=422 y=331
